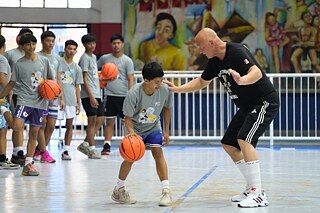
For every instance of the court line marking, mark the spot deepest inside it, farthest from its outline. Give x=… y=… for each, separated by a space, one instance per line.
x=190 y=190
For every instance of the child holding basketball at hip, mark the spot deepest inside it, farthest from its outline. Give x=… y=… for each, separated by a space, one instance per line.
x=71 y=76
x=142 y=107
x=30 y=71
x=90 y=96
x=50 y=116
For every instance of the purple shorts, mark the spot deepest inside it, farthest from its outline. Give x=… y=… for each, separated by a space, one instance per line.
x=30 y=115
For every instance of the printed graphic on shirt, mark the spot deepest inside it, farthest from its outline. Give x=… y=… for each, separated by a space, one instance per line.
x=147 y=115
x=66 y=77
x=36 y=79
x=224 y=77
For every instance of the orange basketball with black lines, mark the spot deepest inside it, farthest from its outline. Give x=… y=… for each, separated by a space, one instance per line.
x=109 y=71
x=132 y=148
x=49 y=90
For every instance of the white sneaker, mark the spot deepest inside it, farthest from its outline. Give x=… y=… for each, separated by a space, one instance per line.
x=94 y=154
x=165 y=199
x=84 y=148
x=122 y=196
x=242 y=196
x=254 y=200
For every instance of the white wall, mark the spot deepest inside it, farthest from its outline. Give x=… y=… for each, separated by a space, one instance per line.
x=102 y=11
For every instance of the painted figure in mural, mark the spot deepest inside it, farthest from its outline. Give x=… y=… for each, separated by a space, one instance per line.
x=159 y=48
x=261 y=59
x=315 y=8
x=275 y=37
x=305 y=44
x=254 y=95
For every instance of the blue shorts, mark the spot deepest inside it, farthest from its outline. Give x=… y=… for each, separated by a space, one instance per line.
x=3 y=122
x=153 y=139
x=30 y=115
x=50 y=113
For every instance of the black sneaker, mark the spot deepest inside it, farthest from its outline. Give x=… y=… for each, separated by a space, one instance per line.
x=106 y=149
x=19 y=159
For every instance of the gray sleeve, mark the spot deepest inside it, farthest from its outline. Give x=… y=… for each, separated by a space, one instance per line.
x=84 y=63
x=78 y=76
x=100 y=62
x=129 y=104
x=15 y=75
x=3 y=66
x=130 y=67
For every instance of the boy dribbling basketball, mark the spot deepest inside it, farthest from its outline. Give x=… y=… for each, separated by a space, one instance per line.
x=142 y=108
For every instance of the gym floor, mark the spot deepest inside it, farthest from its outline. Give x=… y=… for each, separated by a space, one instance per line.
x=202 y=179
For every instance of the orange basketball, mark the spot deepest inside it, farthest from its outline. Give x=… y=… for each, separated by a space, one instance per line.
x=132 y=148
x=49 y=90
x=102 y=80
x=109 y=71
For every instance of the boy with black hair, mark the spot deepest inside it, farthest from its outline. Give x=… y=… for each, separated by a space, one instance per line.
x=71 y=77
x=117 y=89
x=90 y=96
x=13 y=56
x=50 y=115
x=142 y=108
x=30 y=71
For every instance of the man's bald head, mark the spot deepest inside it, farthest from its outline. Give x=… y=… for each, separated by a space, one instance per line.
x=206 y=34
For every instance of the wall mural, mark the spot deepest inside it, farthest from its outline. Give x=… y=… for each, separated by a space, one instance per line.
x=283 y=34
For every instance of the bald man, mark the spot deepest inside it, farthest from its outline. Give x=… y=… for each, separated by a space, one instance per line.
x=255 y=97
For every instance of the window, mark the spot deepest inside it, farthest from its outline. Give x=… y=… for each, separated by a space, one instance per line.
x=31 y=3
x=56 y=3
x=46 y=3
x=11 y=3
x=63 y=32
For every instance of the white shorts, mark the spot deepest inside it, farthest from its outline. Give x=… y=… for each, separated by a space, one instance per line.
x=69 y=111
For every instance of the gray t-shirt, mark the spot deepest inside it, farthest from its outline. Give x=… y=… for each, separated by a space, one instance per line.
x=119 y=86
x=145 y=110
x=89 y=64
x=71 y=75
x=4 y=68
x=13 y=56
x=54 y=62
x=30 y=74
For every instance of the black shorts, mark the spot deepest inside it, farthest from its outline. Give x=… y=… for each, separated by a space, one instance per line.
x=250 y=124
x=90 y=111
x=114 y=106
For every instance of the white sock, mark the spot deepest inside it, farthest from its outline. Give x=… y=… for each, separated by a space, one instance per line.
x=165 y=184
x=120 y=184
x=16 y=150
x=85 y=143
x=92 y=147
x=28 y=160
x=241 y=164
x=253 y=174
x=66 y=148
x=108 y=142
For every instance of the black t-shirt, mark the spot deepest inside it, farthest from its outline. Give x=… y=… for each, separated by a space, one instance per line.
x=238 y=58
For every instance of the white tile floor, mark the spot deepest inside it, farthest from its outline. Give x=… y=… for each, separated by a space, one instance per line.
x=202 y=179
